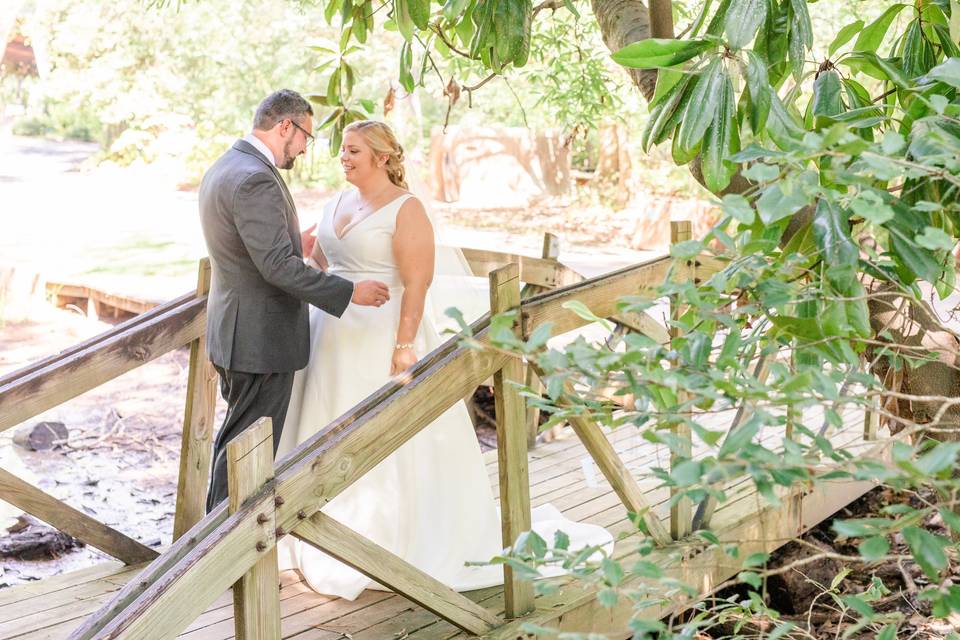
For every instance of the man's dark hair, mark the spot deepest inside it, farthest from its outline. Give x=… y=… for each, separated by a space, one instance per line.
x=278 y=106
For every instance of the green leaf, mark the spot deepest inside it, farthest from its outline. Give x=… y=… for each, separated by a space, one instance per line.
x=941 y=457
x=612 y=572
x=951 y=518
x=702 y=107
x=584 y=312
x=662 y=113
x=758 y=85
x=889 y=632
x=933 y=238
x=401 y=15
x=742 y=20
x=721 y=141
x=832 y=234
x=756 y=559
x=735 y=205
x=927 y=549
x=607 y=598
x=873 y=548
x=659 y=52
x=687 y=473
x=844 y=36
x=406 y=62
x=419 y=11
x=871 y=37
x=877 y=67
x=947 y=72
x=775 y=205
x=871 y=208
x=917 y=259
x=827 y=101
x=750 y=578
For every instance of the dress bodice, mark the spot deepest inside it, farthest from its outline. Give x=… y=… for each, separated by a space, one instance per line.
x=366 y=249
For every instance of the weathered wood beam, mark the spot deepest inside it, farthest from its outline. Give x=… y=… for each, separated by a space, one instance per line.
x=69 y=352
x=614 y=470
x=512 y=460
x=196 y=442
x=575 y=607
x=315 y=473
x=600 y=294
x=375 y=562
x=681 y=509
x=543 y=273
x=30 y=394
x=256 y=595
x=71 y=521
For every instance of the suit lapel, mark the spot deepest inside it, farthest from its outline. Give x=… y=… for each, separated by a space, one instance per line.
x=293 y=222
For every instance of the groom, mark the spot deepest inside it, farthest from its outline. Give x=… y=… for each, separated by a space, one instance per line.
x=257 y=318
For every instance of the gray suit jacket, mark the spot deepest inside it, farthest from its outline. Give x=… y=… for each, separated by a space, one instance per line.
x=257 y=316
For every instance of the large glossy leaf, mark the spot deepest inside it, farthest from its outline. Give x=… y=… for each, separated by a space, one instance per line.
x=871 y=37
x=406 y=62
x=742 y=20
x=662 y=112
x=702 y=107
x=782 y=126
x=801 y=35
x=827 y=97
x=917 y=57
x=659 y=52
x=844 y=36
x=401 y=15
x=419 y=11
x=721 y=141
x=831 y=231
x=776 y=204
x=947 y=71
x=914 y=259
x=877 y=67
x=758 y=85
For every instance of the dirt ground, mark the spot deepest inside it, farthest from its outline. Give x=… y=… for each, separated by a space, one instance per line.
x=120 y=463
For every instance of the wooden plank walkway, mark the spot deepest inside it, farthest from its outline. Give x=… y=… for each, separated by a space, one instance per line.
x=561 y=473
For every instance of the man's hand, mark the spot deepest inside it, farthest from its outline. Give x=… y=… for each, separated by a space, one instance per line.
x=370 y=293
x=307 y=240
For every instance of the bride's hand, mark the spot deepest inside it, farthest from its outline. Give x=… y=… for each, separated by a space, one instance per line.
x=403 y=359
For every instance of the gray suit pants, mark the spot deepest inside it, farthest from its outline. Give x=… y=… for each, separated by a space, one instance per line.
x=249 y=396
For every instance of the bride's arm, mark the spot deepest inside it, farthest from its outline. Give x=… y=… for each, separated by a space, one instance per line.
x=317 y=260
x=414 y=252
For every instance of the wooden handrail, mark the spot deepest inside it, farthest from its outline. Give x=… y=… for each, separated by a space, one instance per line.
x=100 y=361
x=221 y=547
x=172 y=593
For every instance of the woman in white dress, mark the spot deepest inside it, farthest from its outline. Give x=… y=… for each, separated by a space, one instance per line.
x=430 y=502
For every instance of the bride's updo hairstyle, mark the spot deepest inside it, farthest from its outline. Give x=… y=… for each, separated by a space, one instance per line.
x=383 y=142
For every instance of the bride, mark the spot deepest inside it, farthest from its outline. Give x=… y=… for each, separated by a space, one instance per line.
x=430 y=502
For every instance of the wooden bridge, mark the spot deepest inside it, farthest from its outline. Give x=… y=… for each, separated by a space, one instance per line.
x=594 y=475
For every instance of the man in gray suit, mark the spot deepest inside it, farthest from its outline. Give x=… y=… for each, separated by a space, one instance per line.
x=257 y=316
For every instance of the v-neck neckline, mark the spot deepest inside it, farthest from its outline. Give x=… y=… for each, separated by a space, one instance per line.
x=348 y=228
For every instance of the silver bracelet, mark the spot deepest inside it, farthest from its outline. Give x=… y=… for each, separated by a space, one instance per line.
x=403 y=345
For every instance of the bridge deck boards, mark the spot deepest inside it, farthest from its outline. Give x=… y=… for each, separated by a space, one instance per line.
x=561 y=473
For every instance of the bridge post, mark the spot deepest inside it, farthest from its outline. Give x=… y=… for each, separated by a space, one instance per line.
x=551 y=251
x=681 y=513
x=256 y=595
x=511 y=445
x=196 y=445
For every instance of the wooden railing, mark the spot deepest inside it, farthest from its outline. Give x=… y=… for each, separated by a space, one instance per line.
x=235 y=544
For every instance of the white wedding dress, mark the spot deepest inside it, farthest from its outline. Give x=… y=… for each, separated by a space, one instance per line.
x=430 y=502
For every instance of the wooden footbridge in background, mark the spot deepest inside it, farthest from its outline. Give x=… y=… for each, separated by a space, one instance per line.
x=592 y=475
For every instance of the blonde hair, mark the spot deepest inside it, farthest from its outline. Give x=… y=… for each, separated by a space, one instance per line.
x=383 y=142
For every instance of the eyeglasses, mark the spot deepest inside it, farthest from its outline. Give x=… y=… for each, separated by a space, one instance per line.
x=310 y=138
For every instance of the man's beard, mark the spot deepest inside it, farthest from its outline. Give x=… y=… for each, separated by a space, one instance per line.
x=288 y=159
